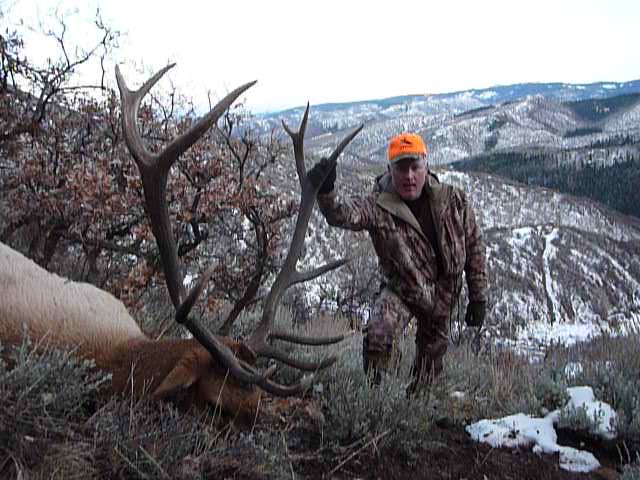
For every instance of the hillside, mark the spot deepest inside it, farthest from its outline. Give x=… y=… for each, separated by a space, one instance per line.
x=560 y=267
x=582 y=140
x=589 y=148
x=456 y=125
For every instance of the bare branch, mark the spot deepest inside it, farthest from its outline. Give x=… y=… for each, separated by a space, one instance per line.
x=300 y=277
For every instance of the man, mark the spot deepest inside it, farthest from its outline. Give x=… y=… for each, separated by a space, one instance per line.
x=425 y=235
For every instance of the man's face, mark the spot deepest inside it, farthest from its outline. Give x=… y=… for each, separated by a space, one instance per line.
x=408 y=177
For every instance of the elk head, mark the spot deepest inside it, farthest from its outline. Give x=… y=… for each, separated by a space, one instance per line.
x=224 y=357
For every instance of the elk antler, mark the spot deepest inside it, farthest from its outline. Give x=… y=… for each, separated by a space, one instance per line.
x=289 y=275
x=154 y=170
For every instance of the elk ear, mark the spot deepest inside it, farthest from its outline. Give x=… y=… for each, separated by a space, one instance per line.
x=182 y=376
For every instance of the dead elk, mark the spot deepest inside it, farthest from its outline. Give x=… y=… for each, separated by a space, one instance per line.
x=213 y=370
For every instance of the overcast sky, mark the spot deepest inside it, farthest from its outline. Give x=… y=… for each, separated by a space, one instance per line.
x=336 y=51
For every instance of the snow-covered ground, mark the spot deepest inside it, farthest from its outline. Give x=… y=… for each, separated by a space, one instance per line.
x=561 y=270
x=522 y=430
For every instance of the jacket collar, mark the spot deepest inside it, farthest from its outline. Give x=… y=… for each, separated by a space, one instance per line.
x=390 y=201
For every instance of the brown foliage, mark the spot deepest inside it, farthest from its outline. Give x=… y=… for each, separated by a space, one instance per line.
x=70 y=194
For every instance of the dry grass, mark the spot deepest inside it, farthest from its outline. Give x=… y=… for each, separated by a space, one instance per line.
x=58 y=421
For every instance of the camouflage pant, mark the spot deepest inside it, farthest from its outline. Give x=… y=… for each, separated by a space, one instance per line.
x=390 y=315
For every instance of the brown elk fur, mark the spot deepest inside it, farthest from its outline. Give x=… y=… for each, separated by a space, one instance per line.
x=56 y=312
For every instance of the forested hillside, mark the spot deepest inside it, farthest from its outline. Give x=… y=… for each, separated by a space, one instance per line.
x=598 y=158
x=614 y=182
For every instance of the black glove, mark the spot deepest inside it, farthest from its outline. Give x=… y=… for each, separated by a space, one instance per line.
x=318 y=171
x=476 y=311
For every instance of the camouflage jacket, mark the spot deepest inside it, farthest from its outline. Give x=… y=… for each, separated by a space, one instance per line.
x=407 y=258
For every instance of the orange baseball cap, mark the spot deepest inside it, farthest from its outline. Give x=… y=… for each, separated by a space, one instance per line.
x=405 y=145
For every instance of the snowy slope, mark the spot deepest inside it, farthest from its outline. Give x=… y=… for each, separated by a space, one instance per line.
x=559 y=267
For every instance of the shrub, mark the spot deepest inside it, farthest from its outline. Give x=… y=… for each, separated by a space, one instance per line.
x=58 y=421
x=357 y=411
x=44 y=402
x=631 y=471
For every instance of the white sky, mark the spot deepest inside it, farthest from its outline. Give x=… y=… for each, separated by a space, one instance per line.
x=335 y=51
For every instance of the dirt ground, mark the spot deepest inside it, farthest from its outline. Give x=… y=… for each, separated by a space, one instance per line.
x=449 y=454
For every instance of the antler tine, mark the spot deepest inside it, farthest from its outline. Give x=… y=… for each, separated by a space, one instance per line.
x=298 y=145
x=154 y=169
x=130 y=101
x=343 y=144
x=182 y=143
x=284 y=390
x=289 y=274
x=311 y=341
x=301 y=277
x=303 y=365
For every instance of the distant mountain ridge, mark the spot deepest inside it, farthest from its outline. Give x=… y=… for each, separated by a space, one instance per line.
x=559 y=265
x=491 y=95
x=460 y=125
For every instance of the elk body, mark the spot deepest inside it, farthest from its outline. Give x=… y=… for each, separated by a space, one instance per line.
x=212 y=370
x=56 y=312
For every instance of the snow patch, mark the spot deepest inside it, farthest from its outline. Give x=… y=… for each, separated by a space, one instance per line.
x=489 y=94
x=564 y=333
x=520 y=237
x=550 y=252
x=522 y=430
x=604 y=417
